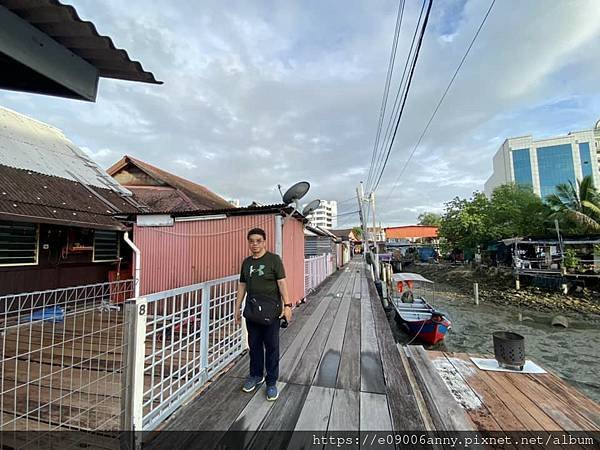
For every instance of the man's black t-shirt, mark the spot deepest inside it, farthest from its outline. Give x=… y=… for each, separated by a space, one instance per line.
x=261 y=275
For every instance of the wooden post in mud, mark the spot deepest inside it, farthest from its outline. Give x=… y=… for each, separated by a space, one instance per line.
x=476 y=292
x=517 y=282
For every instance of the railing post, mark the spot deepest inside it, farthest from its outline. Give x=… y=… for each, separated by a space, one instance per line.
x=132 y=398
x=204 y=324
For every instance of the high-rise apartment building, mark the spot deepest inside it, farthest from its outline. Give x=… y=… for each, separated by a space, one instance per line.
x=325 y=216
x=545 y=163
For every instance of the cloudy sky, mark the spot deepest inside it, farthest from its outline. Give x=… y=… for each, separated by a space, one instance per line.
x=259 y=93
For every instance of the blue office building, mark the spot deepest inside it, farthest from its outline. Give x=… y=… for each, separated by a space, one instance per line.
x=543 y=164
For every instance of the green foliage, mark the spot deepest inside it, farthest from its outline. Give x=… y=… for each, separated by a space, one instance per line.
x=430 y=218
x=465 y=223
x=577 y=208
x=571 y=259
x=516 y=211
x=512 y=211
x=357 y=232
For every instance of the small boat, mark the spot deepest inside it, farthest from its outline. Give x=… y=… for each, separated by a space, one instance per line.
x=414 y=313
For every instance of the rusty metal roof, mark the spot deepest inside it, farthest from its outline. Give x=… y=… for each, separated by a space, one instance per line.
x=184 y=195
x=63 y=24
x=35 y=197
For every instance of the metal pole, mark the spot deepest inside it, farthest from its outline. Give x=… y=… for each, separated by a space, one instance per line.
x=375 y=256
x=279 y=235
x=204 y=324
x=476 y=292
x=133 y=377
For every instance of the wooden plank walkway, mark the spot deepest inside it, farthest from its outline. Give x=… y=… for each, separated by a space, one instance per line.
x=339 y=370
x=511 y=401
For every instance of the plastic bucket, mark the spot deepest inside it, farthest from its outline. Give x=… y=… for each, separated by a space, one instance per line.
x=509 y=350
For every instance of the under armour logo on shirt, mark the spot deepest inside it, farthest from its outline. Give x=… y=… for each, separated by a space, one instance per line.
x=260 y=270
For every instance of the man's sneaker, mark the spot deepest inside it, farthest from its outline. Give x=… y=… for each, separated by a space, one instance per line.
x=252 y=383
x=272 y=393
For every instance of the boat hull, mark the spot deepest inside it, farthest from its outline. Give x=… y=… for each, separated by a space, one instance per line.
x=422 y=321
x=428 y=331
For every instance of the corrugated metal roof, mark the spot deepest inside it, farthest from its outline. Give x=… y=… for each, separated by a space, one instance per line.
x=63 y=24
x=28 y=144
x=31 y=194
x=11 y=210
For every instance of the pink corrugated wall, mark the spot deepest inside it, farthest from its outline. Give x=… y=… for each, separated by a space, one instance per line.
x=293 y=258
x=197 y=251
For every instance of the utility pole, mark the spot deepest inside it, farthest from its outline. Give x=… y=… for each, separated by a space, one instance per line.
x=375 y=256
x=359 y=196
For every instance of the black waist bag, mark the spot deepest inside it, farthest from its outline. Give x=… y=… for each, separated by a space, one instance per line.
x=262 y=309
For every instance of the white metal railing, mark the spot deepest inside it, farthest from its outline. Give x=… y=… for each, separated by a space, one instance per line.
x=178 y=340
x=61 y=358
x=316 y=270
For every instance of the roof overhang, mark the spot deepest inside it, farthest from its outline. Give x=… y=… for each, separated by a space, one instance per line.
x=46 y=48
x=106 y=223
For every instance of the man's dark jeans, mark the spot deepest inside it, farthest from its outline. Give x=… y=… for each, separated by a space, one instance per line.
x=263 y=341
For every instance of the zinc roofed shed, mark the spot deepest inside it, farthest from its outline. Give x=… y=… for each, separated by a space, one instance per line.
x=59 y=211
x=163 y=191
x=46 y=48
x=184 y=248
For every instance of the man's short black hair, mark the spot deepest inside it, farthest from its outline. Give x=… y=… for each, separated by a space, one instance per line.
x=258 y=231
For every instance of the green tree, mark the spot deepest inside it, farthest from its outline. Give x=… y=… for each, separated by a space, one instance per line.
x=430 y=218
x=516 y=211
x=357 y=232
x=465 y=223
x=576 y=207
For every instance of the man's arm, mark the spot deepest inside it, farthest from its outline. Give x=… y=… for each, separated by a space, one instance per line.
x=285 y=298
x=241 y=292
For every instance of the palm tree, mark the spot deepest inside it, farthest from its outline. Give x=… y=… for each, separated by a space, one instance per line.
x=580 y=204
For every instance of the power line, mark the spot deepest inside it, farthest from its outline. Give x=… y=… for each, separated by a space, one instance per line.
x=393 y=113
x=416 y=146
x=408 y=84
x=386 y=88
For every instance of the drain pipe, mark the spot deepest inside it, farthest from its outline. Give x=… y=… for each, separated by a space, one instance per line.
x=279 y=235
x=137 y=264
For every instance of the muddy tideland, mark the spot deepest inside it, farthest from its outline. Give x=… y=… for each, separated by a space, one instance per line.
x=573 y=352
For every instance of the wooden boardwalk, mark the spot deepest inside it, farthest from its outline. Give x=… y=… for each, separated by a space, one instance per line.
x=341 y=370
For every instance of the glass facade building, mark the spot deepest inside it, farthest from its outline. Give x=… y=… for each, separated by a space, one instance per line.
x=586 y=159
x=545 y=163
x=522 y=167
x=555 y=166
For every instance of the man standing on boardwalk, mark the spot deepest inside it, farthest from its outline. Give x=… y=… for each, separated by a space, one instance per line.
x=262 y=277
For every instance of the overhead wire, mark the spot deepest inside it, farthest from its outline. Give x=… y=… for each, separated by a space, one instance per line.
x=435 y=111
x=386 y=88
x=406 y=91
x=398 y=92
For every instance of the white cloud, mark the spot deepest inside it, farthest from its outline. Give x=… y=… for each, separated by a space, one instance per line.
x=186 y=164
x=289 y=91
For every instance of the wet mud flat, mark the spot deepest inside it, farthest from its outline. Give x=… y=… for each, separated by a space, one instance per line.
x=573 y=353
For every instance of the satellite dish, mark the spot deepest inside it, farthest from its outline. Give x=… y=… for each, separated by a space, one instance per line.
x=311 y=207
x=296 y=192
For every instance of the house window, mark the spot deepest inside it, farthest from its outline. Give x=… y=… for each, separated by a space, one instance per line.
x=19 y=243
x=106 y=246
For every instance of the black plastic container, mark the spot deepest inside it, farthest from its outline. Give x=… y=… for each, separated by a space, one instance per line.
x=509 y=350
